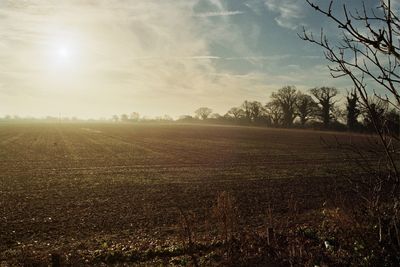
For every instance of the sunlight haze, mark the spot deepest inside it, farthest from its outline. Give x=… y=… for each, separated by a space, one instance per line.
x=98 y=58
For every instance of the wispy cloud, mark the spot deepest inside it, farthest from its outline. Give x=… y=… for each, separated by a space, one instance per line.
x=289 y=12
x=203 y=57
x=273 y=57
x=219 y=14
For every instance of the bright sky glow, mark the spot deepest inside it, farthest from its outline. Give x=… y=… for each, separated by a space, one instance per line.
x=98 y=58
x=64 y=52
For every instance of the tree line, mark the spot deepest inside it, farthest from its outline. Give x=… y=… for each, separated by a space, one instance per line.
x=317 y=108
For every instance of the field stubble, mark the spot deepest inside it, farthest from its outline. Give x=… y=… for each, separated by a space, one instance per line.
x=71 y=186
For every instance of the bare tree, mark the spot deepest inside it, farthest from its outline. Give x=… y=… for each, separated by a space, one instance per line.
x=236 y=113
x=368 y=53
x=215 y=116
x=124 y=117
x=115 y=118
x=324 y=96
x=186 y=118
x=134 y=116
x=306 y=107
x=167 y=117
x=274 y=111
x=256 y=110
x=392 y=123
x=203 y=112
x=374 y=114
x=252 y=110
x=246 y=106
x=353 y=110
x=286 y=97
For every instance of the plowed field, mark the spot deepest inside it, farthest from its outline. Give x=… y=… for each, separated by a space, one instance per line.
x=68 y=187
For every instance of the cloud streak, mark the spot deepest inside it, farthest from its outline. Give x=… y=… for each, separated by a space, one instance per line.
x=219 y=14
x=288 y=12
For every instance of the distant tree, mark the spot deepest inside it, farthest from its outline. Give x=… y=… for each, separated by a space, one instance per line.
x=256 y=111
x=124 y=117
x=167 y=117
x=134 y=116
x=339 y=114
x=353 y=110
x=324 y=96
x=146 y=118
x=246 y=107
x=203 y=112
x=186 y=118
x=215 y=116
x=306 y=107
x=235 y=113
x=380 y=114
x=274 y=111
x=252 y=110
x=286 y=97
x=115 y=118
x=392 y=122
x=374 y=114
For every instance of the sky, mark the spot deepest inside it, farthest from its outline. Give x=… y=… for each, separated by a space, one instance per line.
x=96 y=58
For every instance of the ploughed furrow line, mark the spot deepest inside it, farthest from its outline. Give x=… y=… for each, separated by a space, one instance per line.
x=9 y=139
x=9 y=168
x=229 y=144
x=124 y=149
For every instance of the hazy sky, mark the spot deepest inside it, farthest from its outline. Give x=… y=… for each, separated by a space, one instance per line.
x=98 y=58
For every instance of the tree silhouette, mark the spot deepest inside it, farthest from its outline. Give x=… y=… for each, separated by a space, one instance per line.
x=252 y=110
x=374 y=114
x=324 y=96
x=368 y=53
x=134 y=116
x=124 y=117
x=353 y=110
x=256 y=110
x=369 y=48
x=203 y=112
x=236 y=113
x=246 y=106
x=274 y=112
x=115 y=118
x=306 y=107
x=286 y=98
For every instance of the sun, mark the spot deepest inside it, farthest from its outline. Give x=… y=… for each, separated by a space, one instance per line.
x=63 y=52
x=63 y=55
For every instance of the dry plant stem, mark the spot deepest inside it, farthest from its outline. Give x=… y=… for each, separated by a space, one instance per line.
x=189 y=233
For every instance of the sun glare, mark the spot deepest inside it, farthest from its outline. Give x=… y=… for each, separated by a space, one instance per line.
x=63 y=55
x=62 y=60
x=63 y=52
